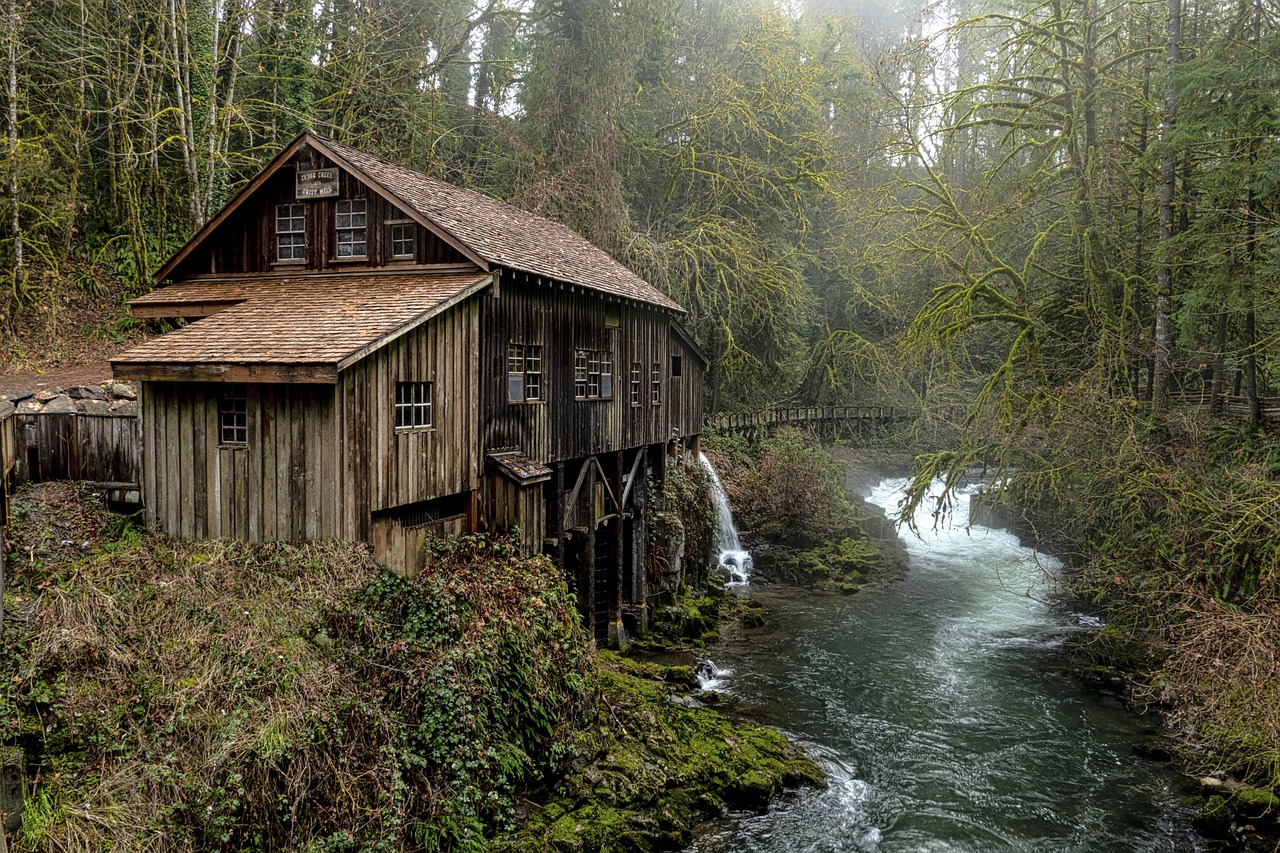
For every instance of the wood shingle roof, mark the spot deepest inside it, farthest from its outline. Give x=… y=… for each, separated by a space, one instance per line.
x=308 y=321
x=500 y=233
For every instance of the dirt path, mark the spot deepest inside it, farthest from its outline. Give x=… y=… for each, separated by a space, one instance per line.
x=93 y=373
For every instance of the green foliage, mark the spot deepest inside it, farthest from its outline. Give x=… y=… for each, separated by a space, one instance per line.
x=250 y=698
x=683 y=526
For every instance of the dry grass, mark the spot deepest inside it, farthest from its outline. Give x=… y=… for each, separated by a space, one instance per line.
x=176 y=695
x=1222 y=683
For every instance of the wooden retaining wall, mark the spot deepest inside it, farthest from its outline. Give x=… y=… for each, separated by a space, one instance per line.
x=103 y=450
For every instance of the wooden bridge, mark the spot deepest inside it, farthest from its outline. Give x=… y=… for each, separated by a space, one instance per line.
x=830 y=422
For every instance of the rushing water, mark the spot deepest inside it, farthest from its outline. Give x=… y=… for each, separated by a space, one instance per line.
x=939 y=709
x=734 y=559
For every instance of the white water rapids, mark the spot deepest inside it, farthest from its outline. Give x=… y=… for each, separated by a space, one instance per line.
x=942 y=711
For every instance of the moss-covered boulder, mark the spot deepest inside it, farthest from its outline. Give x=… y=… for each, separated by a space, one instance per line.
x=653 y=769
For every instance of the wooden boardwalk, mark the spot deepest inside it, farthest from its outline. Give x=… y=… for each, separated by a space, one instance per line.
x=825 y=421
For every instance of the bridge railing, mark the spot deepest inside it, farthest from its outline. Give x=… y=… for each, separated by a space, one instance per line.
x=808 y=415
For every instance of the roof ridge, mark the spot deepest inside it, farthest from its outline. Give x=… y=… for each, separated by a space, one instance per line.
x=457 y=187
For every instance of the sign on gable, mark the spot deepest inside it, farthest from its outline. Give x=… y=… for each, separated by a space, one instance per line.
x=316 y=183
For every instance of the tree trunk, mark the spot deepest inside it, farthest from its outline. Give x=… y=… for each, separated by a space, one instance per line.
x=15 y=221
x=1219 y=362
x=1168 y=178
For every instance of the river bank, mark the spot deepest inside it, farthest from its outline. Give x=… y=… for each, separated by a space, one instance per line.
x=175 y=695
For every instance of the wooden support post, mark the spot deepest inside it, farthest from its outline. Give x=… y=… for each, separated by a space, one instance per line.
x=588 y=567
x=558 y=509
x=617 y=637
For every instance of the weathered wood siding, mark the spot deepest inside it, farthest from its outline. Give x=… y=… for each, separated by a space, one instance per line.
x=246 y=241
x=509 y=505
x=279 y=485
x=562 y=319
x=383 y=467
x=74 y=446
x=8 y=458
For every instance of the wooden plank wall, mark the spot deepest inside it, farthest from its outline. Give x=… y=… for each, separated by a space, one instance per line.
x=245 y=242
x=280 y=485
x=66 y=446
x=384 y=467
x=561 y=319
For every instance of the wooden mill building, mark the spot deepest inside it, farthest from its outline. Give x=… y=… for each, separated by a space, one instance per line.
x=370 y=353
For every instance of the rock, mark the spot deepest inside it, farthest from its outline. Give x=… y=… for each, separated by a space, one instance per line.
x=44 y=395
x=94 y=407
x=6 y=409
x=30 y=406
x=121 y=390
x=124 y=407
x=18 y=396
x=85 y=392
x=59 y=405
x=753 y=619
x=1211 y=782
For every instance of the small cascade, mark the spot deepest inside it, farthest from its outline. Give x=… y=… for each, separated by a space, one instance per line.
x=710 y=676
x=735 y=560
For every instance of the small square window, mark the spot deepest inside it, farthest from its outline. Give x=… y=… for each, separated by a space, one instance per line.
x=403 y=243
x=233 y=418
x=413 y=405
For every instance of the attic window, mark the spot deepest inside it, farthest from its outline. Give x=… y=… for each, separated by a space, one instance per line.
x=413 y=405
x=402 y=240
x=232 y=417
x=351 y=228
x=291 y=237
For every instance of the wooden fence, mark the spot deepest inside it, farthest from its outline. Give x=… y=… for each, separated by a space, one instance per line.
x=102 y=450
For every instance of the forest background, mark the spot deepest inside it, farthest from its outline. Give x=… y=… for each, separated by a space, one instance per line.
x=855 y=200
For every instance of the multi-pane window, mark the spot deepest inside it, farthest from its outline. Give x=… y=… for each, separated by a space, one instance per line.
x=413 y=405
x=635 y=383
x=291 y=232
x=524 y=373
x=232 y=417
x=655 y=384
x=592 y=374
x=402 y=240
x=351 y=220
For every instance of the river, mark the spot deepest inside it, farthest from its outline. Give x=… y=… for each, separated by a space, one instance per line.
x=940 y=709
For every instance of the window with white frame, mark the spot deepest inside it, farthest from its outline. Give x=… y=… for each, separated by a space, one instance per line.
x=291 y=232
x=403 y=240
x=233 y=418
x=351 y=219
x=524 y=373
x=413 y=405
x=655 y=384
x=592 y=374
x=635 y=383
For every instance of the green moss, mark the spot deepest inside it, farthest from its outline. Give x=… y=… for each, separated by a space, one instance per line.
x=653 y=769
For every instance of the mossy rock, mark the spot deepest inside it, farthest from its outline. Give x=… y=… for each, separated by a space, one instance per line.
x=654 y=769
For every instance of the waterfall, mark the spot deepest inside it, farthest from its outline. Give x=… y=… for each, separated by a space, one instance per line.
x=732 y=557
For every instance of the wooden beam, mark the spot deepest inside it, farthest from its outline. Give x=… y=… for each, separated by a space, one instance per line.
x=169 y=310
x=319 y=374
